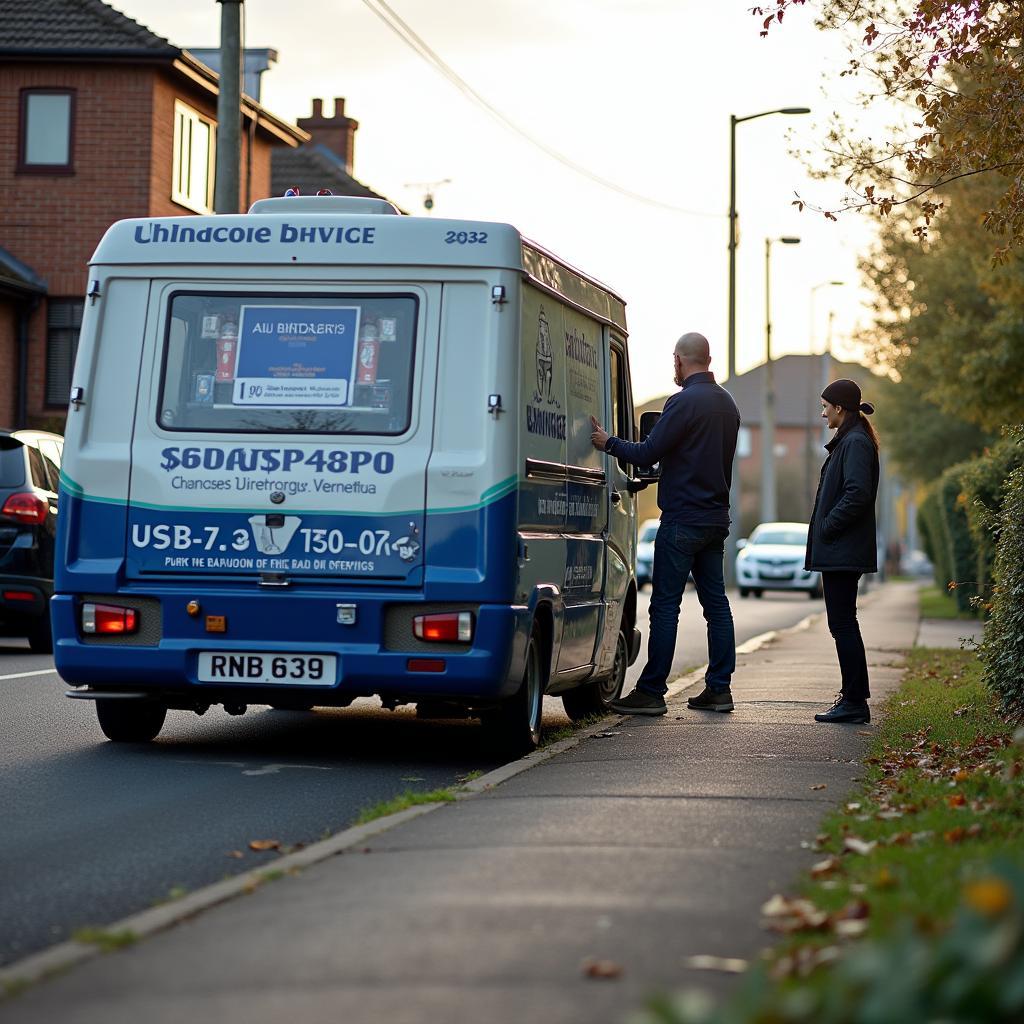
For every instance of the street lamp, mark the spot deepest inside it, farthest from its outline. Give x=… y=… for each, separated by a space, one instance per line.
x=734 y=490
x=769 y=503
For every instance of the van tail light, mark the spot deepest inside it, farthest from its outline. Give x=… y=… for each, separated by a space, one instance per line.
x=26 y=507
x=447 y=627
x=108 y=618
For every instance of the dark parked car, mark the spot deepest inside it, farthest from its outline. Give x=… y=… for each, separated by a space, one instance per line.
x=29 y=470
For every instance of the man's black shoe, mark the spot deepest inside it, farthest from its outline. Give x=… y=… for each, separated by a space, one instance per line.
x=850 y=711
x=712 y=700
x=639 y=703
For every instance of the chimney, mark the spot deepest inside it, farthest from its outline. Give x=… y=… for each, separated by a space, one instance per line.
x=337 y=133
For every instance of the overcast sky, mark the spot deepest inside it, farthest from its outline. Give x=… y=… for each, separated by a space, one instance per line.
x=638 y=92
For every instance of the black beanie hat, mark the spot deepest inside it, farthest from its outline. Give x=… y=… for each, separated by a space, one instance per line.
x=846 y=393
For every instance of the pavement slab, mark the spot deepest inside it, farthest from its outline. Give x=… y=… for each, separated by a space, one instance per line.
x=658 y=842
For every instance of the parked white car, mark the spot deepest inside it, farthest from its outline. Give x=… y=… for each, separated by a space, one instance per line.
x=773 y=559
x=645 y=551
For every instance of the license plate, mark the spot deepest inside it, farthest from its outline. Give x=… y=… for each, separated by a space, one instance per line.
x=263 y=667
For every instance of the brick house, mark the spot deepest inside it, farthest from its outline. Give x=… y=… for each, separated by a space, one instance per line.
x=100 y=119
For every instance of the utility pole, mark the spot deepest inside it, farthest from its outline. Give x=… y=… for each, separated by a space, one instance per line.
x=229 y=105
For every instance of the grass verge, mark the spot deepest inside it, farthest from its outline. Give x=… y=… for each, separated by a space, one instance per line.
x=921 y=875
x=936 y=603
x=403 y=801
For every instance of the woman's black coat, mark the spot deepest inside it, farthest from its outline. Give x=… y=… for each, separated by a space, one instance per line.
x=841 y=537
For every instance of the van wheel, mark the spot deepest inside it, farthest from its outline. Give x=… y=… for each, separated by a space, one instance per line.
x=595 y=698
x=744 y=592
x=130 y=721
x=816 y=593
x=515 y=724
x=40 y=639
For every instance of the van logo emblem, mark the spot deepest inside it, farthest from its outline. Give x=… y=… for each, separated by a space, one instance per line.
x=545 y=363
x=406 y=548
x=277 y=497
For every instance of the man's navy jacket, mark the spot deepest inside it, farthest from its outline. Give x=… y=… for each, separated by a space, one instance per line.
x=695 y=441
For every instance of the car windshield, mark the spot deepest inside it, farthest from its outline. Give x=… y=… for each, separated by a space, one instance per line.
x=796 y=537
x=649 y=534
x=12 y=463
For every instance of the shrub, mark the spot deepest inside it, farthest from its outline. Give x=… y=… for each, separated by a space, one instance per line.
x=929 y=526
x=962 y=551
x=1002 y=650
x=985 y=480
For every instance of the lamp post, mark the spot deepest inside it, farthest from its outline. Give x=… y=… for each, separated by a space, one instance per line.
x=734 y=490
x=769 y=502
x=813 y=395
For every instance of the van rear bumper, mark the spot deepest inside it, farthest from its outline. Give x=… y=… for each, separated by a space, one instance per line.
x=484 y=671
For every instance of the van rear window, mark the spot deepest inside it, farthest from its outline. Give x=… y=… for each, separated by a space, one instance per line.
x=12 y=463
x=288 y=363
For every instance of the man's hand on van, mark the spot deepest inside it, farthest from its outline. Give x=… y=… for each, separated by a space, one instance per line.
x=599 y=436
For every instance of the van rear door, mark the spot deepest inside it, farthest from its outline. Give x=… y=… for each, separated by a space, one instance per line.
x=285 y=432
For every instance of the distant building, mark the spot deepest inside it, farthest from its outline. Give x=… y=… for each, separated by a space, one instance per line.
x=326 y=161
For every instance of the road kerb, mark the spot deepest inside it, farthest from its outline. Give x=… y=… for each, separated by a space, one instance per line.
x=65 y=955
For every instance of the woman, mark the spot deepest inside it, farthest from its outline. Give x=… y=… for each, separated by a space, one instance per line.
x=841 y=541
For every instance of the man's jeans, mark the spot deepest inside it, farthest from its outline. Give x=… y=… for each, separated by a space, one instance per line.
x=678 y=551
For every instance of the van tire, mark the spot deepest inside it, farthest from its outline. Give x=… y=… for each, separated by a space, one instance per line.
x=595 y=698
x=515 y=724
x=130 y=721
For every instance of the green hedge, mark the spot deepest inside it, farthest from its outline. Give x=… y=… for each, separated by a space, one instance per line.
x=1002 y=650
x=961 y=550
x=929 y=526
x=985 y=482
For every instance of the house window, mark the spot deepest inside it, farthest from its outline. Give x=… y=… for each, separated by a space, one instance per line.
x=63 y=320
x=194 y=148
x=46 y=131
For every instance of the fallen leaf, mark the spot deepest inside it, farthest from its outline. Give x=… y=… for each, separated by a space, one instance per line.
x=988 y=896
x=853 y=807
x=825 y=867
x=820 y=785
x=264 y=844
x=602 y=969
x=237 y=854
x=852 y=844
x=726 y=964
x=955 y=835
x=604 y=735
x=863 y=732
x=956 y=800
x=885 y=879
x=850 y=929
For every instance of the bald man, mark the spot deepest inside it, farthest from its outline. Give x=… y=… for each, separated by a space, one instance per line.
x=694 y=440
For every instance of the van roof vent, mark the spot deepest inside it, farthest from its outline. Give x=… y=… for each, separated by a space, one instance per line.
x=324 y=204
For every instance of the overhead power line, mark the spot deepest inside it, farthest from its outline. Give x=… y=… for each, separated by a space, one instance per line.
x=416 y=43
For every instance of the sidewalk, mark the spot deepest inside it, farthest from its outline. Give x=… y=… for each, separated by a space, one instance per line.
x=642 y=847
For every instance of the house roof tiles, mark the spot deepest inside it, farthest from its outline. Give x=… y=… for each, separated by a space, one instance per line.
x=75 y=27
x=310 y=168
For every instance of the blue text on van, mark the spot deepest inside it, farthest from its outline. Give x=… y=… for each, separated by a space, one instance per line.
x=270 y=460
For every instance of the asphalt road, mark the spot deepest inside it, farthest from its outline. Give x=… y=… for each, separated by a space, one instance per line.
x=93 y=831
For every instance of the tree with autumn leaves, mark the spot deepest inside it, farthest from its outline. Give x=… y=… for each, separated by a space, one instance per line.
x=947 y=180
x=956 y=67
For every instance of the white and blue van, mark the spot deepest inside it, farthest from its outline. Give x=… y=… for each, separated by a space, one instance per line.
x=323 y=451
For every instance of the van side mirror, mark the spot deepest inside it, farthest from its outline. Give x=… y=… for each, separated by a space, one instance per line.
x=741 y=543
x=648 y=421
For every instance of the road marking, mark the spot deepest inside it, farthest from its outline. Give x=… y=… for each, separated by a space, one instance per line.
x=23 y=675
x=267 y=769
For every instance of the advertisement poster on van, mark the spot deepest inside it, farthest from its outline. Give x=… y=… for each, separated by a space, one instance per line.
x=296 y=355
